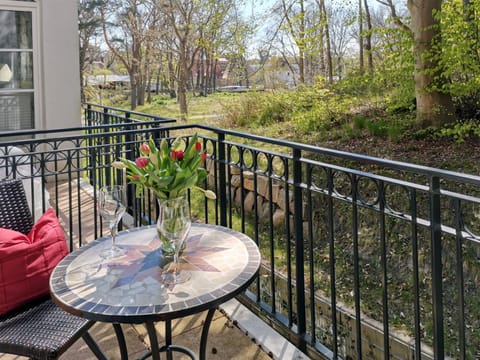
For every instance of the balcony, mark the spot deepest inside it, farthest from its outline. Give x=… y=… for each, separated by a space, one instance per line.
x=362 y=257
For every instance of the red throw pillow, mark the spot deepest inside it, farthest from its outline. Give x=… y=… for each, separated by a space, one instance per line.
x=27 y=261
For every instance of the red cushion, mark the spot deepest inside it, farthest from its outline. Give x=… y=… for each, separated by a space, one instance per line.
x=27 y=261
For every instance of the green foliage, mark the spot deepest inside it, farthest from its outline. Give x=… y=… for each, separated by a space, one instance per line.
x=468 y=106
x=359 y=122
x=161 y=100
x=308 y=108
x=461 y=130
x=386 y=127
x=395 y=131
x=394 y=75
x=244 y=110
x=275 y=110
x=427 y=133
x=377 y=128
x=459 y=48
x=355 y=85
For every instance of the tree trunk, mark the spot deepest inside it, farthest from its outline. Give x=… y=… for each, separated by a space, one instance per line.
x=321 y=40
x=214 y=75
x=302 y=43
x=298 y=36
x=182 y=81
x=360 y=38
x=133 y=90
x=327 y=42
x=171 y=73
x=140 y=91
x=434 y=108
x=182 y=97
x=368 y=37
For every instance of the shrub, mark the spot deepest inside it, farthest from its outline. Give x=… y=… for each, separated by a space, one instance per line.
x=468 y=106
x=359 y=122
x=461 y=130
x=244 y=110
x=377 y=128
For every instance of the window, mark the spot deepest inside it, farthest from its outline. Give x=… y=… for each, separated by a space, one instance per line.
x=17 y=85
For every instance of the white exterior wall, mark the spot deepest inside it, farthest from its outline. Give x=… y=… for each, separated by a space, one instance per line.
x=59 y=94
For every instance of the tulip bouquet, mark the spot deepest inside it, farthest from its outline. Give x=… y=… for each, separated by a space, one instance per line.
x=170 y=170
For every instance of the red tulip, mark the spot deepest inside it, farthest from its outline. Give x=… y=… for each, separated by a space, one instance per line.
x=204 y=156
x=145 y=149
x=141 y=162
x=173 y=155
x=180 y=155
x=198 y=146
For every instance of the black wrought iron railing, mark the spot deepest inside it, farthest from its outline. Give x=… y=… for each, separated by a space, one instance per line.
x=102 y=115
x=362 y=257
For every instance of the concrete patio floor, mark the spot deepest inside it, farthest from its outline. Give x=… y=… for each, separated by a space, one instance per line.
x=225 y=341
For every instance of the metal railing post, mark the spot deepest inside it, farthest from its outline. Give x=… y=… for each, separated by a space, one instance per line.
x=129 y=151
x=437 y=290
x=88 y=112
x=299 y=246
x=106 y=150
x=89 y=120
x=222 y=182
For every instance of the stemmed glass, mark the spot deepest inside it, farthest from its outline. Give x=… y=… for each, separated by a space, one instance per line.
x=174 y=223
x=111 y=206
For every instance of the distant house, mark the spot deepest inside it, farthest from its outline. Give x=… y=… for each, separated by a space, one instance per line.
x=40 y=81
x=110 y=81
x=278 y=74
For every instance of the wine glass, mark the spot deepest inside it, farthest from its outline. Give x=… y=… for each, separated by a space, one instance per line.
x=111 y=206
x=174 y=223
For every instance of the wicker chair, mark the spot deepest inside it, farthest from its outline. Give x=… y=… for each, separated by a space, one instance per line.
x=39 y=330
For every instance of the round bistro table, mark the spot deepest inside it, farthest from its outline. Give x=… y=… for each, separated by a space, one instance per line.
x=129 y=289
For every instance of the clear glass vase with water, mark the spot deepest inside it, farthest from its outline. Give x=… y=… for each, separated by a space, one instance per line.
x=174 y=224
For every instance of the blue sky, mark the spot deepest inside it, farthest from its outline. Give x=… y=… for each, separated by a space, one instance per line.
x=258 y=6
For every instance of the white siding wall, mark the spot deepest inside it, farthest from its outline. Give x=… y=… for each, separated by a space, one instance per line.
x=59 y=64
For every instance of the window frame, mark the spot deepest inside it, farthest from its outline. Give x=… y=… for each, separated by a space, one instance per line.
x=33 y=8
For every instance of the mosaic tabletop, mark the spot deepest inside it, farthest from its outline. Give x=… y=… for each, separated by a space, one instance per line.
x=128 y=289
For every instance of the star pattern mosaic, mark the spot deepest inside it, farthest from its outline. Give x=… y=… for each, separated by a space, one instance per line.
x=143 y=261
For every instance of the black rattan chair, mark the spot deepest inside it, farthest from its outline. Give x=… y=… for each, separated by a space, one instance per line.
x=39 y=330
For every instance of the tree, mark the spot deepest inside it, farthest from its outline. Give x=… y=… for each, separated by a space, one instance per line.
x=184 y=18
x=361 y=56
x=340 y=36
x=224 y=35
x=88 y=26
x=434 y=105
x=195 y=27
x=368 y=37
x=324 y=23
x=126 y=26
x=296 y=27
x=303 y=38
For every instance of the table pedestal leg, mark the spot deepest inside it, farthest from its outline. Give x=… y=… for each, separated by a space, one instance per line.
x=169 y=348
x=152 y=335
x=168 y=339
x=121 y=341
x=203 y=339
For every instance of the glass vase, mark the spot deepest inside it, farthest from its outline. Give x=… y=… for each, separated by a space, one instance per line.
x=173 y=226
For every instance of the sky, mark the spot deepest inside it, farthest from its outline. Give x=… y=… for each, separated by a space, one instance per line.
x=258 y=7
